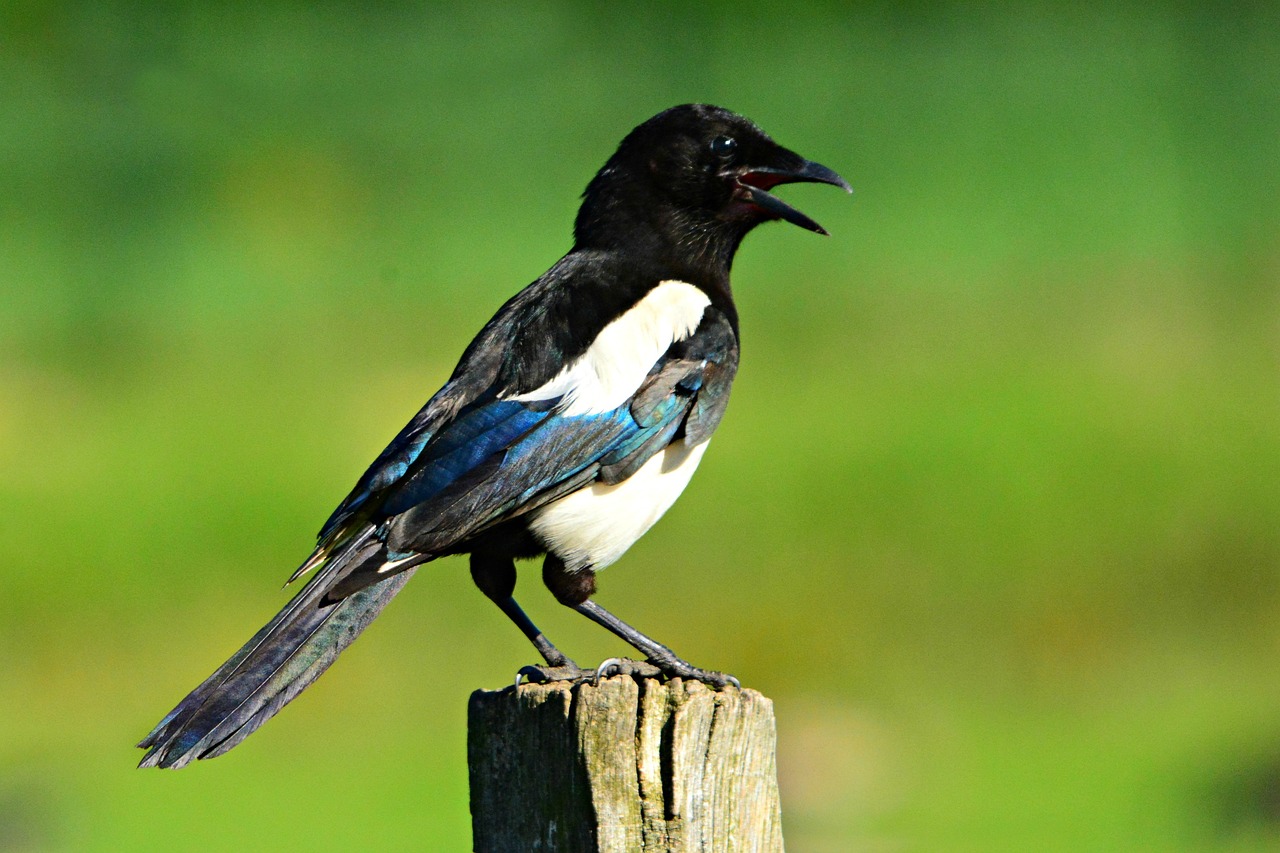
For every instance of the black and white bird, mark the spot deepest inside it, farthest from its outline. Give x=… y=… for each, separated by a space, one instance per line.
x=571 y=424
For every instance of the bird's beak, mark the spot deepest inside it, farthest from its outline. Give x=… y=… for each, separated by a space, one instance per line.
x=755 y=182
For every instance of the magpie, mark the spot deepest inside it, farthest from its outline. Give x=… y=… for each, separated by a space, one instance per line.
x=571 y=424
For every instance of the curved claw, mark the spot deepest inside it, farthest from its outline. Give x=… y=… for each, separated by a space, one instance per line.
x=602 y=671
x=529 y=671
x=718 y=680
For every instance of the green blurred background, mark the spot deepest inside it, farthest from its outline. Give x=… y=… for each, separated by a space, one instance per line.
x=994 y=517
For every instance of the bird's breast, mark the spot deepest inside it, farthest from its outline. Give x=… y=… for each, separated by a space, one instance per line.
x=611 y=369
x=594 y=526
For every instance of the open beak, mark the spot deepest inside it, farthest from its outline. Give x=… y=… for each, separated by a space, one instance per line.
x=754 y=183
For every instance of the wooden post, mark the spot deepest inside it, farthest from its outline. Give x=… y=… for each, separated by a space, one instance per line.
x=628 y=765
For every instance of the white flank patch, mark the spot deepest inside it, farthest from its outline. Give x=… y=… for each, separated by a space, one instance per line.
x=594 y=526
x=621 y=356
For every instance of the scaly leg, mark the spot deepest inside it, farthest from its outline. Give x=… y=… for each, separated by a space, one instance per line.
x=496 y=578
x=574 y=589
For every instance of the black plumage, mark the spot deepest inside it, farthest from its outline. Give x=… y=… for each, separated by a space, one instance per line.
x=571 y=422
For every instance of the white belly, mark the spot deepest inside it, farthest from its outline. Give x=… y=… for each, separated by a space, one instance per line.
x=594 y=526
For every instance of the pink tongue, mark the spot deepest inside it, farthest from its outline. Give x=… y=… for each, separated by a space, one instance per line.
x=761 y=180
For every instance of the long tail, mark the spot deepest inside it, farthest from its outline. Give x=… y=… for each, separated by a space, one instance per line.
x=281 y=660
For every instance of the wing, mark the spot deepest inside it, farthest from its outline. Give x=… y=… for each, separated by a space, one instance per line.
x=499 y=459
x=521 y=347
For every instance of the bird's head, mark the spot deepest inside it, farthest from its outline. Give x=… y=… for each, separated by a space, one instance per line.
x=697 y=176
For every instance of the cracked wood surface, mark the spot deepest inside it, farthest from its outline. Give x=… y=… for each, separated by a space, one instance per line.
x=628 y=765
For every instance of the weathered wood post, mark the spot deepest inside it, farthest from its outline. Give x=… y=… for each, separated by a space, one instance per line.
x=627 y=765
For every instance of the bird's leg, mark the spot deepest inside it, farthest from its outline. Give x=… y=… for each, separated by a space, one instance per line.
x=574 y=589
x=657 y=654
x=496 y=578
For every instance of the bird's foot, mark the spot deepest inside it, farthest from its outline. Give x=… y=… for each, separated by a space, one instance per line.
x=652 y=668
x=666 y=668
x=571 y=672
x=674 y=667
x=625 y=666
x=545 y=673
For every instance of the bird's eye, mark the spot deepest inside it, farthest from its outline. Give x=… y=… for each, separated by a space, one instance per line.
x=724 y=146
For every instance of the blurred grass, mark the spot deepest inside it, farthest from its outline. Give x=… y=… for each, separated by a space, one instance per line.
x=995 y=516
